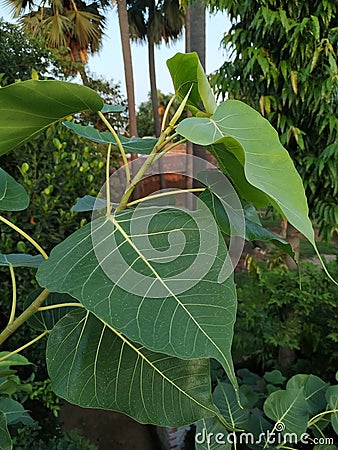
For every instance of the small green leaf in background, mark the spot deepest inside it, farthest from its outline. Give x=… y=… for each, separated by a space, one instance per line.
x=14 y=360
x=47 y=319
x=112 y=108
x=186 y=70
x=93 y=366
x=21 y=260
x=288 y=408
x=14 y=412
x=31 y=106
x=274 y=377
x=5 y=438
x=332 y=399
x=89 y=203
x=13 y=196
x=134 y=144
x=314 y=391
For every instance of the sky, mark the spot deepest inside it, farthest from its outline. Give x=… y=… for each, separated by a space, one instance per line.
x=109 y=63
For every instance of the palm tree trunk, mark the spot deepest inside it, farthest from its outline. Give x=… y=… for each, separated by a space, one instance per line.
x=128 y=65
x=153 y=86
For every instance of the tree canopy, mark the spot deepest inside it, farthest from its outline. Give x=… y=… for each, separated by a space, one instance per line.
x=283 y=62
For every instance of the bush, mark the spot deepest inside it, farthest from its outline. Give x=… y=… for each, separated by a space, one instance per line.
x=280 y=308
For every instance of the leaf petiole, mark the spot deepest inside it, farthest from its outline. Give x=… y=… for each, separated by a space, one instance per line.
x=28 y=344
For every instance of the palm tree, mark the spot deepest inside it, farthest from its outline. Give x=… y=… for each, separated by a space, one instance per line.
x=155 y=22
x=73 y=24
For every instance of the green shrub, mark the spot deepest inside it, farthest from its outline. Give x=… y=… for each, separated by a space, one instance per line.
x=280 y=308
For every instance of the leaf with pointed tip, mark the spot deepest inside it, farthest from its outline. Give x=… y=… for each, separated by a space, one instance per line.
x=186 y=70
x=314 y=391
x=112 y=108
x=332 y=399
x=134 y=144
x=5 y=438
x=267 y=166
x=13 y=196
x=21 y=260
x=253 y=231
x=173 y=305
x=28 y=107
x=289 y=408
x=94 y=366
x=47 y=319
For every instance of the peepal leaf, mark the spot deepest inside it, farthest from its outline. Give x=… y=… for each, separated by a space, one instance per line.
x=288 y=407
x=267 y=165
x=134 y=144
x=94 y=366
x=112 y=108
x=28 y=107
x=21 y=260
x=186 y=70
x=5 y=438
x=314 y=391
x=146 y=293
x=89 y=203
x=211 y=435
x=225 y=399
x=13 y=196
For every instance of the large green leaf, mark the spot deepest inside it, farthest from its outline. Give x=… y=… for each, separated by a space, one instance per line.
x=164 y=293
x=332 y=399
x=186 y=70
x=314 y=390
x=94 y=366
x=21 y=260
x=5 y=438
x=289 y=410
x=13 y=196
x=134 y=144
x=31 y=106
x=254 y=142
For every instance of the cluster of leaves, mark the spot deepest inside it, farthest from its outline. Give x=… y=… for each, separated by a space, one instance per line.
x=275 y=412
x=20 y=55
x=283 y=62
x=144 y=347
x=282 y=308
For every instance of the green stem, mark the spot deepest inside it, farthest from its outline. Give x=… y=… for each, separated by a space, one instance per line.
x=3 y=358
x=119 y=145
x=164 y=194
x=12 y=316
x=107 y=181
x=27 y=313
x=25 y=235
x=166 y=150
x=318 y=417
x=60 y=305
x=148 y=162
